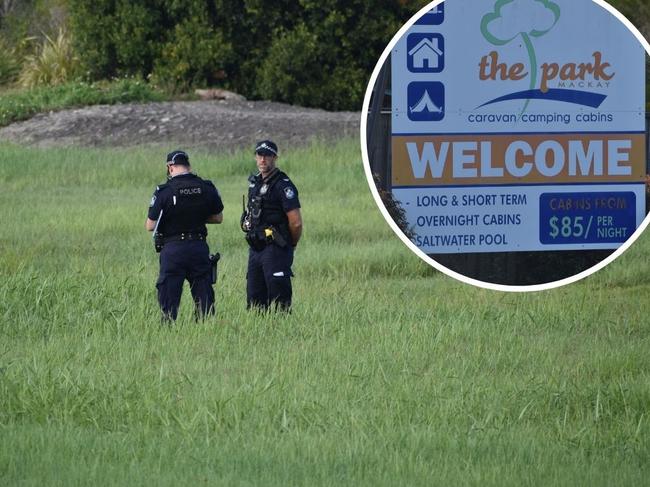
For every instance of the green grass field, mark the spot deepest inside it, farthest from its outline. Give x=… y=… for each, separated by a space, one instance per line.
x=387 y=373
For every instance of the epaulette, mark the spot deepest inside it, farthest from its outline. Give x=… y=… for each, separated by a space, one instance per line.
x=284 y=177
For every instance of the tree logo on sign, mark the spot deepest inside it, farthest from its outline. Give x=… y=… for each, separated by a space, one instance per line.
x=526 y=18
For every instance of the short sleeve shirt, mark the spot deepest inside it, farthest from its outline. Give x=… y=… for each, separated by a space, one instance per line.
x=183 y=218
x=287 y=193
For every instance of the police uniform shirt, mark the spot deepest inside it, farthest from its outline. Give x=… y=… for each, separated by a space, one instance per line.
x=187 y=201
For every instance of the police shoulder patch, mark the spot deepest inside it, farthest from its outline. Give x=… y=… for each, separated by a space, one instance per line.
x=153 y=200
x=289 y=192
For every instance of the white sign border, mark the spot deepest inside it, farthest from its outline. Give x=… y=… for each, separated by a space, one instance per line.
x=460 y=277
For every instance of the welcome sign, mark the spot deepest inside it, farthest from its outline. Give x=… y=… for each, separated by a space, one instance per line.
x=519 y=125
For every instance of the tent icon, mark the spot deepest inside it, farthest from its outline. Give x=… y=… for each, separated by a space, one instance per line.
x=425 y=104
x=426 y=101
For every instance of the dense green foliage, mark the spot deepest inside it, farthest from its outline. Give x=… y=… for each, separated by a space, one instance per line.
x=326 y=58
x=9 y=63
x=20 y=19
x=308 y=52
x=313 y=53
x=386 y=373
x=20 y=105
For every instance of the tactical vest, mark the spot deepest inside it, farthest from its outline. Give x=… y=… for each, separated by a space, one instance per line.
x=188 y=208
x=265 y=209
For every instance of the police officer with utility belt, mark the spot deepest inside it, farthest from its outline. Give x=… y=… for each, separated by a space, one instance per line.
x=273 y=225
x=178 y=213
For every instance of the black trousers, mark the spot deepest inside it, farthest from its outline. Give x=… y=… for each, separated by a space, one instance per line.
x=268 y=280
x=180 y=261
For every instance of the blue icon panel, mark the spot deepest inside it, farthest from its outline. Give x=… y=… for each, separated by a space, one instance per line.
x=425 y=53
x=435 y=16
x=426 y=101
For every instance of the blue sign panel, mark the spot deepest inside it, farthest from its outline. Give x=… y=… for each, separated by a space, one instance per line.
x=426 y=53
x=578 y=218
x=426 y=100
x=435 y=16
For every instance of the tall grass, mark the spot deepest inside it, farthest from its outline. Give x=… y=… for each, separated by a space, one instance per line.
x=386 y=373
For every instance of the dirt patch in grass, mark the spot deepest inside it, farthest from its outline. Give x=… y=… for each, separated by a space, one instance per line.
x=225 y=125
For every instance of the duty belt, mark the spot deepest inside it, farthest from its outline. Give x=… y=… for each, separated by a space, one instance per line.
x=184 y=236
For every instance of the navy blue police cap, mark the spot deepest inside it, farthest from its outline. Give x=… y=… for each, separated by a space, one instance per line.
x=178 y=157
x=266 y=148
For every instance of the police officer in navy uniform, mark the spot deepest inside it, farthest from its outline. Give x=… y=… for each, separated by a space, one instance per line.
x=178 y=212
x=273 y=225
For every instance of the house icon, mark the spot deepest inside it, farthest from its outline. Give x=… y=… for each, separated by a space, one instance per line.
x=425 y=53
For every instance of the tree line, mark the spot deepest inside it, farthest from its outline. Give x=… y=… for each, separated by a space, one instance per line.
x=317 y=53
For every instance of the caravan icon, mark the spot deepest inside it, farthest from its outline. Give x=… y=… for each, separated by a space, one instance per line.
x=426 y=101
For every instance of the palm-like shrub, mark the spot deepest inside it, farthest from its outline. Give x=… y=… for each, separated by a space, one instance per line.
x=53 y=63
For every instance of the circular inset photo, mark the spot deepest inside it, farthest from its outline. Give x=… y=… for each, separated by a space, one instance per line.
x=505 y=141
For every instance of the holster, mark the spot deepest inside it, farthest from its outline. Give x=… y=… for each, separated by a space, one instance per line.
x=259 y=239
x=255 y=241
x=158 y=241
x=214 y=260
x=277 y=237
